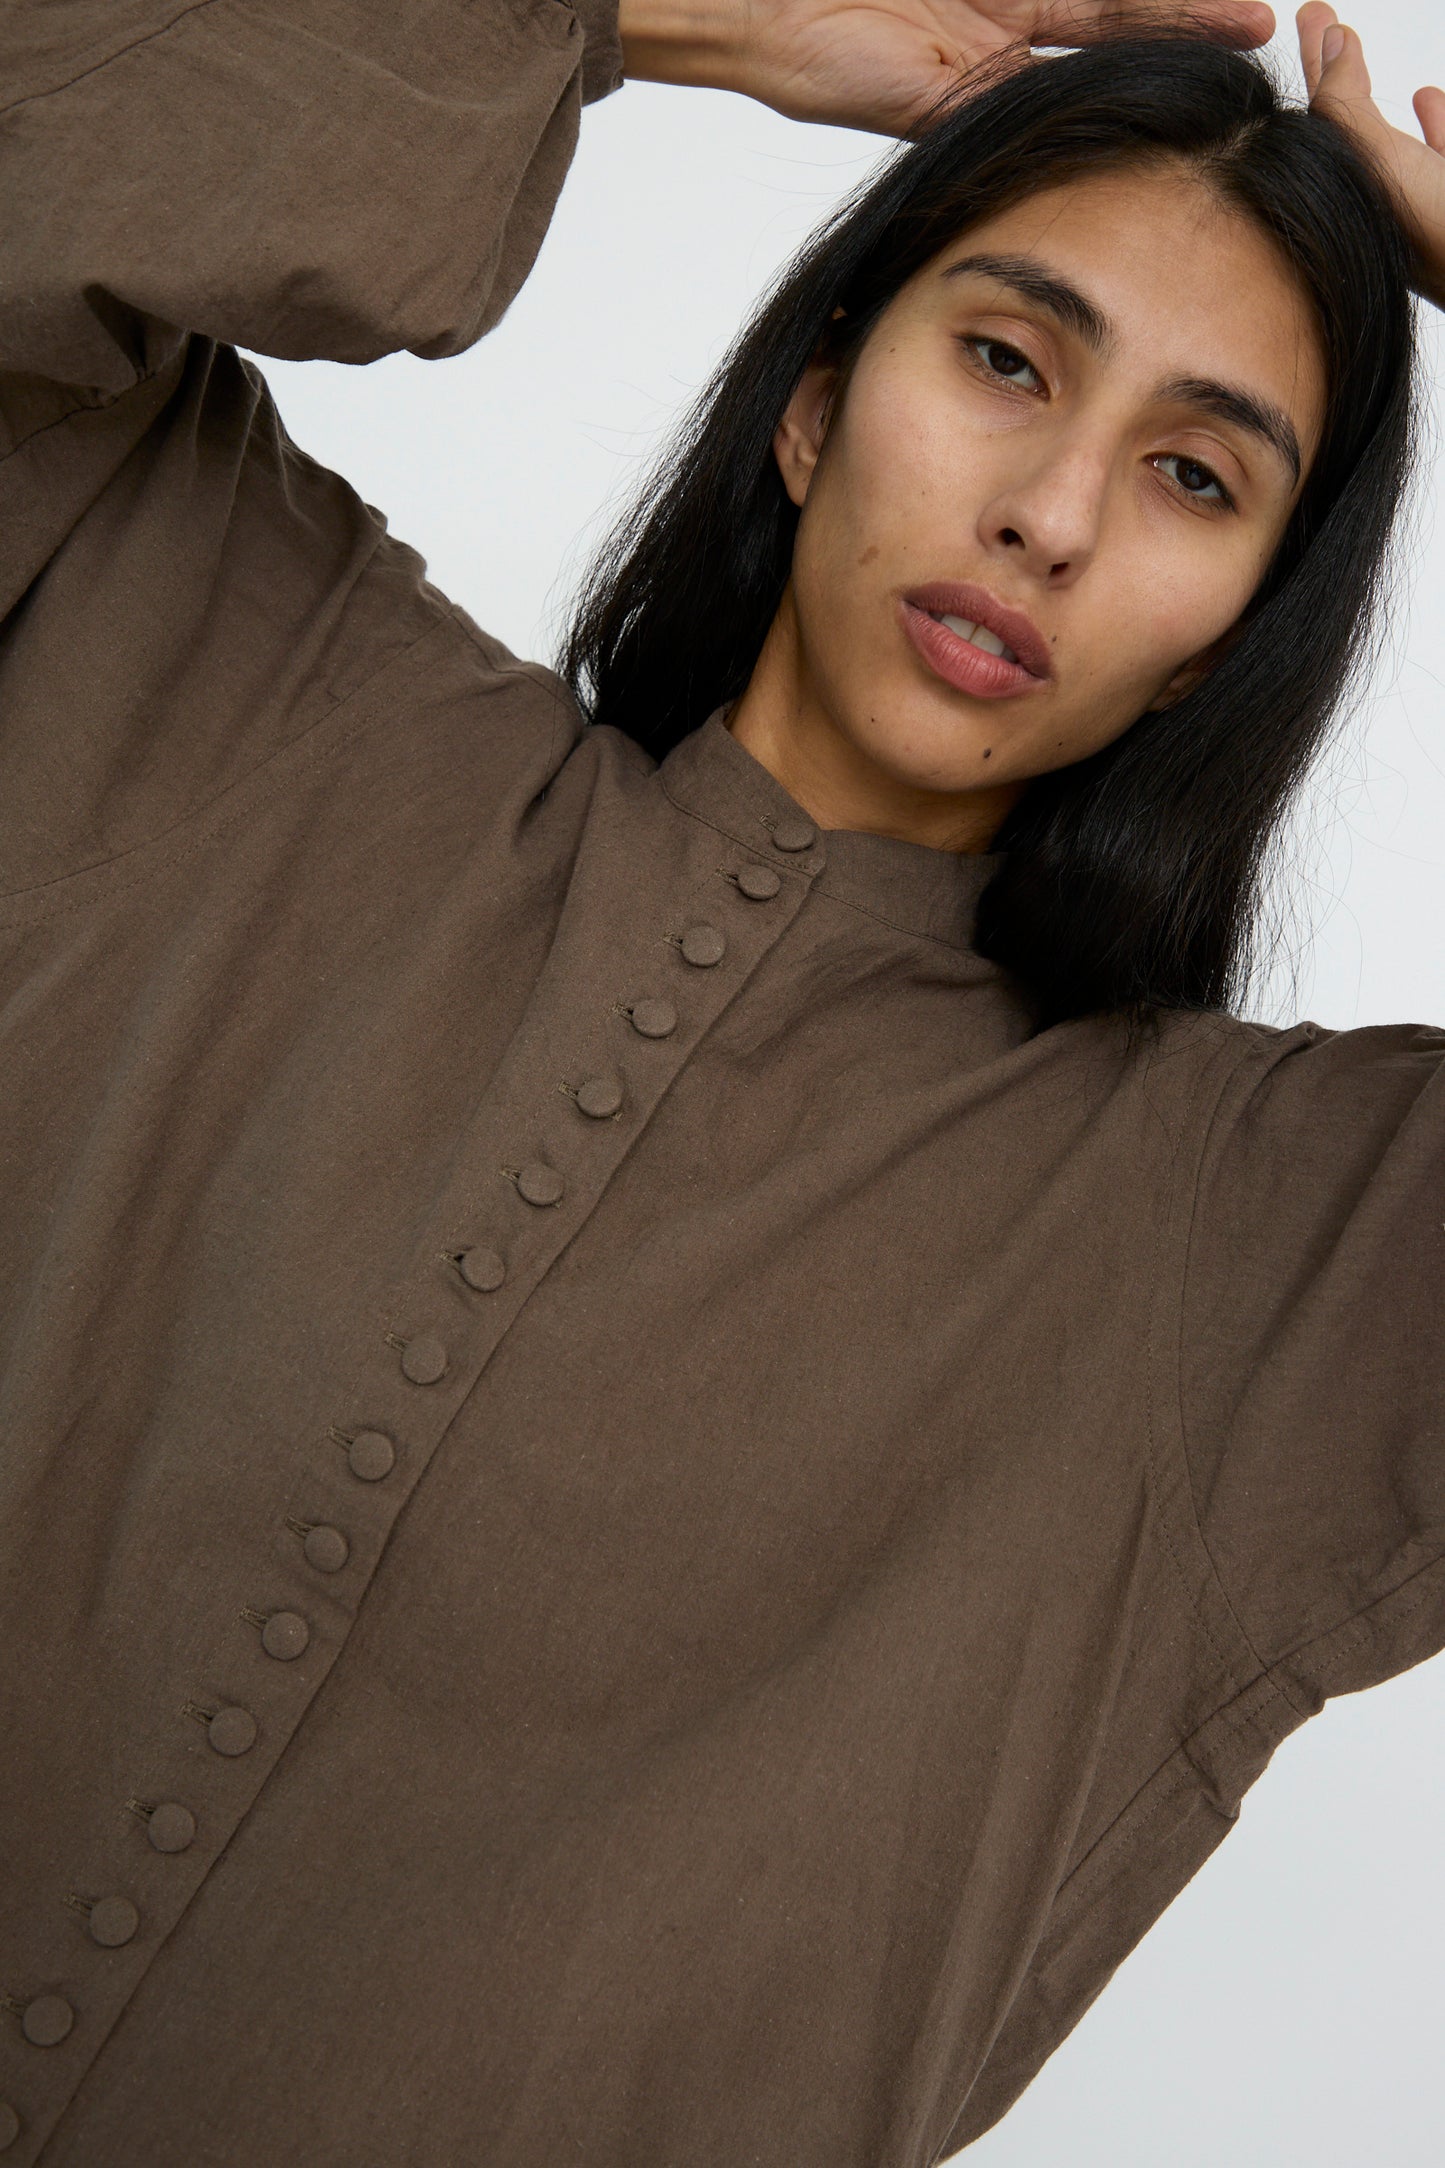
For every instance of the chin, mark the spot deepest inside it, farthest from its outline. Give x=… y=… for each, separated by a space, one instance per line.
x=943 y=756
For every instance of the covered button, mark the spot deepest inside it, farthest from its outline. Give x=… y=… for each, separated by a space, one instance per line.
x=539 y=1183
x=46 y=2021
x=760 y=882
x=794 y=835
x=170 y=1826
x=232 y=1731
x=704 y=944
x=112 y=1922
x=9 y=2125
x=599 y=1096
x=482 y=1269
x=326 y=1548
x=371 y=1454
x=424 y=1359
x=284 y=1635
x=654 y=1019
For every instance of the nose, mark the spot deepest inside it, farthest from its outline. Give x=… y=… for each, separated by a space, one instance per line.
x=1048 y=517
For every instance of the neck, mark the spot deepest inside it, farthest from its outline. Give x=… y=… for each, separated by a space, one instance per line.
x=788 y=729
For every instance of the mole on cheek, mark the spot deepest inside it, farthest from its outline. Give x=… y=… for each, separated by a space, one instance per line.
x=869 y=554
x=988 y=752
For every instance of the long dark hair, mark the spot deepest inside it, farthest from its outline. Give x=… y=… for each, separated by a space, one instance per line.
x=1133 y=879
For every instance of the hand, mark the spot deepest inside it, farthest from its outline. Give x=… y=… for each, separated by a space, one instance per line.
x=1414 y=171
x=876 y=64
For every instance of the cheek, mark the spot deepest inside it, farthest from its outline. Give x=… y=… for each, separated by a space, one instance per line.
x=899 y=448
x=1176 y=596
x=895 y=460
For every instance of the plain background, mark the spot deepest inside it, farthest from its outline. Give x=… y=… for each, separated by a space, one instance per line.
x=1288 y=2011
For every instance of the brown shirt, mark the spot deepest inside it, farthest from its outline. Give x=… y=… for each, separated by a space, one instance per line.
x=638 y=1526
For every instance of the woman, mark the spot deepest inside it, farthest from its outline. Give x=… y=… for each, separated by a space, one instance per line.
x=678 y=1428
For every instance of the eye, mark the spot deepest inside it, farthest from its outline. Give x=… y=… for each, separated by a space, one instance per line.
x=1006 y=362
x=1194 y=479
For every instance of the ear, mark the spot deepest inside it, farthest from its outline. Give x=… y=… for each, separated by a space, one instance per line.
x=798 y=438
x=1190 y=675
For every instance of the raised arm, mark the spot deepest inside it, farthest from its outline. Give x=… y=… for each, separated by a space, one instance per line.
x=313 y=180
x=182 y=594
x=882 y=64
x=340 y=181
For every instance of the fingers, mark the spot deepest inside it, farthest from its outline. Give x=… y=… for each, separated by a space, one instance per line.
x=1243 y=24
x=1339 y=81
x=1430 y=112
x=1311 y=23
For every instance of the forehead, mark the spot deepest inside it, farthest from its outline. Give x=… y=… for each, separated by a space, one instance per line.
x=1190 y=285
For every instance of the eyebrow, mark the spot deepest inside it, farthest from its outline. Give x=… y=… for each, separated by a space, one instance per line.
x=1062 y=300
x=1228 y=403
x=1047 y=289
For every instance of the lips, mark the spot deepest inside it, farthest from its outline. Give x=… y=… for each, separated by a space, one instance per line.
x=950 y=650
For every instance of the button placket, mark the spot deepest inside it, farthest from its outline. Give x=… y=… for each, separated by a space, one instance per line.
x=757 y=882
x=170 y=1826
x=651 y=1019
x=702 y=944
x=230 y=1729
x=370 y=1454
x=111 y=1922
x=791 y=833
x=537 y=1182
x=285 y=1635
x=46 y=2020
x=598 y=1097
x=323 y=1547
x=483 y=1269
x=423 y=1357
x=633 y=1035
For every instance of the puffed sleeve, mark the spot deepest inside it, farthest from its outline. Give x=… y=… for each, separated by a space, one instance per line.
x=180 y=589
x=1311 y=1362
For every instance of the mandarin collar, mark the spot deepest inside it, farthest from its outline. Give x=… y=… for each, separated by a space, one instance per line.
x=920 y=890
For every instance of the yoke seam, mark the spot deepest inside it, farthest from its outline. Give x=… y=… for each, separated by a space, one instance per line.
x=212 y=819
x=58 y=90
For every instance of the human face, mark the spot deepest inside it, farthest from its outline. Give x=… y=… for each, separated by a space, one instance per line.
x=1077 y=428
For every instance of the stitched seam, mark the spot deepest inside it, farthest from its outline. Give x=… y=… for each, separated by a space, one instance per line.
x=706 y=821
x=520 y=667
x=1242 y=1713
x=1150 y=1432
x=955 y=948
x=1176 y=1366
x=1235 y=1717
x=940 y=940
x=58 y=90
x=224 y=821
x=1357 y=1628
x=83 y=406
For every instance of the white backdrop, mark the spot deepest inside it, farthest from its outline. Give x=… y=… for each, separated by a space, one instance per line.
x=1289 y=2009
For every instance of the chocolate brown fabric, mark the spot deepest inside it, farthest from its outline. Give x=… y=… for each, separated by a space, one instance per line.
x=638 y=1526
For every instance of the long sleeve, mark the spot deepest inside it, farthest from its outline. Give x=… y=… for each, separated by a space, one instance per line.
x=1312 y=1368
x=181 y=590
x=338 y=178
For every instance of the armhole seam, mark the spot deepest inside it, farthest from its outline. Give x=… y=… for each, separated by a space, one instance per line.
x=1166 y=1370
